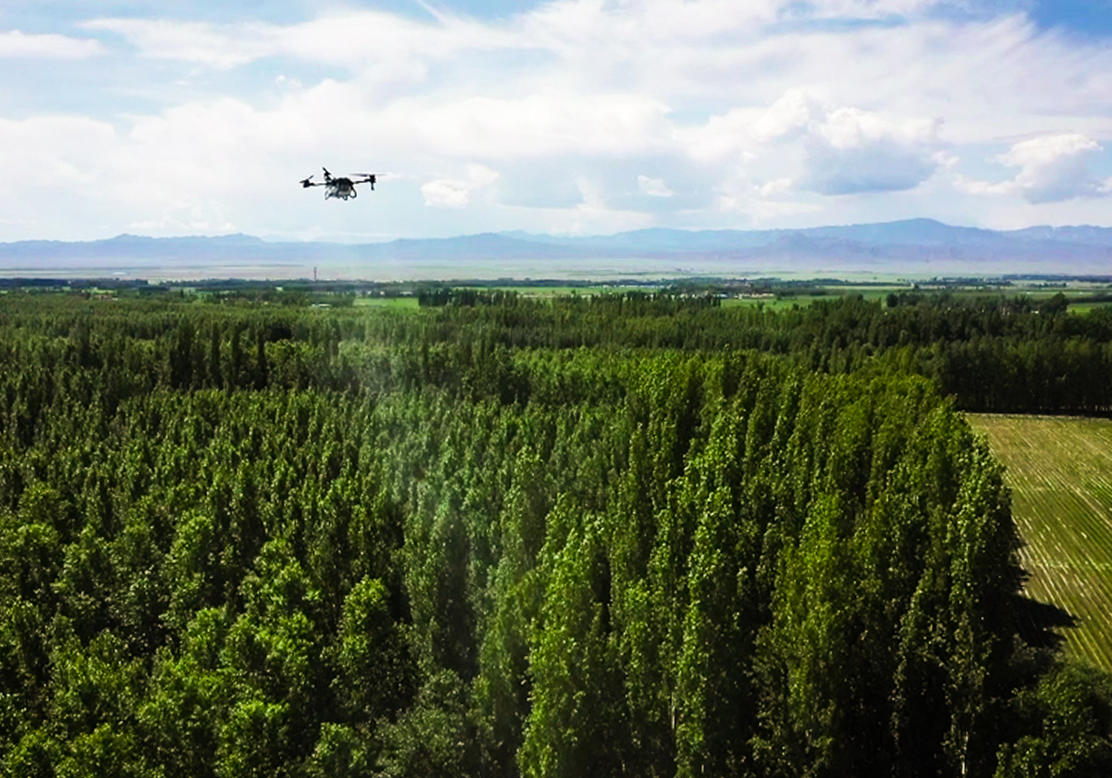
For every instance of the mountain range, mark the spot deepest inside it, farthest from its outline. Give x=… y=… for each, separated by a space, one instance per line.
x=921 y=247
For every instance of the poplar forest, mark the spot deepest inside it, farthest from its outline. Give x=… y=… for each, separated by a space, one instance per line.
x=632 y=534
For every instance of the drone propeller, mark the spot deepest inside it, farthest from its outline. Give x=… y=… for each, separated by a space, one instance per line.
x=305 y=182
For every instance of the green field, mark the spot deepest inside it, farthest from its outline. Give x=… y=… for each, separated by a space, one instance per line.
x=1060 y=472
x=387 y=302
x=1085 y=308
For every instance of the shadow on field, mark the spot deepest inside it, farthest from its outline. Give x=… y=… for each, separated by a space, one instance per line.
x=1039 y=622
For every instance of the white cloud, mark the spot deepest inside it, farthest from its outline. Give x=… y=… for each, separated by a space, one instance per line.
x=61 y=164
x=595 y=214
x=594 y=114
x=852 y=151
x=1055 y=167
x=789 y=114
x=43 y=152
x=653 y=187
x=15 y=44
x=777 y=186
x=456 y=192
x=1051 y=168
x=354 y=38
x=803 y=142
x=863 y=9
x=536 y=125
x=199 y=42
x=564 y=27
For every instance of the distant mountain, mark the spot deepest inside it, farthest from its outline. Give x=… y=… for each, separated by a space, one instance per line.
x=912 y=247
x=1089 y=236
x=911 y=232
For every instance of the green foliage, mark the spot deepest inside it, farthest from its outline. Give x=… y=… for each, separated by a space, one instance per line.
x=495 y=536
x=1066 y=720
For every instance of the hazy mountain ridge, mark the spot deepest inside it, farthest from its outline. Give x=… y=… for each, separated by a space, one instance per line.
x=916 y=244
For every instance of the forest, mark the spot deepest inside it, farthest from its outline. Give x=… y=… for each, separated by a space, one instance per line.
x=632 y=534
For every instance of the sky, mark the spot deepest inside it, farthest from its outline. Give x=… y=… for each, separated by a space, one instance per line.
x=565 y=117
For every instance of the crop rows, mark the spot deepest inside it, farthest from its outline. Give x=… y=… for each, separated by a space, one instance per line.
x=1060 y=472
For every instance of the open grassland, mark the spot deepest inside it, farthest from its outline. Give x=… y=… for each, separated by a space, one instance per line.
x=1060 y=472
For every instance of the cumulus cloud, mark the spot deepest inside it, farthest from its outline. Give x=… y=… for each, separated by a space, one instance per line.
x=1052 y=168
x=15 y=44
x=456 y=192
x=804 y=142
x=1055 y=167
x=792 y=112
x=653 y=187
x=851 y=151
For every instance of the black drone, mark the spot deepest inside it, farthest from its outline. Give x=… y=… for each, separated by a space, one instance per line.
x=340 y=186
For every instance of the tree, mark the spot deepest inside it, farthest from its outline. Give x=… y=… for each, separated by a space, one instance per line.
x=574 y=725
x=375 y=675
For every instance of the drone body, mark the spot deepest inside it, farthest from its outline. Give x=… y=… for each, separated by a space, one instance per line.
x=342 y=187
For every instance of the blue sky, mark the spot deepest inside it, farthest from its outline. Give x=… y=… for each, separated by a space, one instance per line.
x=571 y=117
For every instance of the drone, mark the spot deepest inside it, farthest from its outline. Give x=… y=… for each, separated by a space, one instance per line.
x=342 y=187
